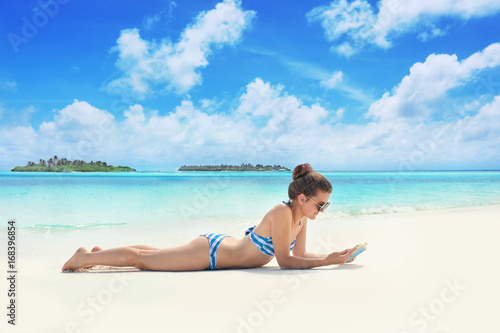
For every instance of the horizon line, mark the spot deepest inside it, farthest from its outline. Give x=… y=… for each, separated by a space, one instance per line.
x=317 y=170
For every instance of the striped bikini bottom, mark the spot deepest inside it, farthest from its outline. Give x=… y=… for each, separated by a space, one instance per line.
x=214 y=241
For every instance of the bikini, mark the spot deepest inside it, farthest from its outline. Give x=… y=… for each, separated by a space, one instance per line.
x=263 y=244
x=214 y=241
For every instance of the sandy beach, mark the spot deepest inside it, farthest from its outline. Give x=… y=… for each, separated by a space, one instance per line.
x=158 y=123
x=428 y=271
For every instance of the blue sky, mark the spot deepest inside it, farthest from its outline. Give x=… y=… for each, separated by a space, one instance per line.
x=340 y=84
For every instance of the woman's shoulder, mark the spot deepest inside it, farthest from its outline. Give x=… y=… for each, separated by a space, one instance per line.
x=280 y=211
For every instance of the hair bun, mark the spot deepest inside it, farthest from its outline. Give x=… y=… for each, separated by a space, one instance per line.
x=302 y=170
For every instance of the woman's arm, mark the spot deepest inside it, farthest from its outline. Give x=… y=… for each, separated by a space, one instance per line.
x=293 y=262
x=281 y=233
x=313 y=255
x=299 y=250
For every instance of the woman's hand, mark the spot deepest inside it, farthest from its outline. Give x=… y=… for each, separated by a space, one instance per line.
x=340 y=257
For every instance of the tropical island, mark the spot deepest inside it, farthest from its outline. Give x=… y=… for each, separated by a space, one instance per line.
x=55 y=164
x=225 y=167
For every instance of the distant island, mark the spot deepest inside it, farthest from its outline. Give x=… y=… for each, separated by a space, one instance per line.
x=55 y=164
x=242 y=167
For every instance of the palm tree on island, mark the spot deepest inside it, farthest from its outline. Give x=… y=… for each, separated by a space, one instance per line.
x=242 y=167
x=55 y=164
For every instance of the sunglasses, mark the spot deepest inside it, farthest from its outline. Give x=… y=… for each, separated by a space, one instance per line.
x=321 y=207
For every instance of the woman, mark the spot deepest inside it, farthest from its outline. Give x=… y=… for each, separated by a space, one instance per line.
x=283 y=229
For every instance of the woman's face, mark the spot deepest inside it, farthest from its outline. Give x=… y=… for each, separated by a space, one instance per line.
x=311 y=205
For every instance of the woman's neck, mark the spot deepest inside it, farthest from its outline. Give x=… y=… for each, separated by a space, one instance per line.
x=297 y=214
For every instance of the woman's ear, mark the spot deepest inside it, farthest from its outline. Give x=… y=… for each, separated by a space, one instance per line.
x=301 y=198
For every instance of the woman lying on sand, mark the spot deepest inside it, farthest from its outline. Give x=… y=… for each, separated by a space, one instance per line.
x=283 y=229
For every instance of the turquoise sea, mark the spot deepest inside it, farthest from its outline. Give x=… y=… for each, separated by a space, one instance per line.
x=56 y=202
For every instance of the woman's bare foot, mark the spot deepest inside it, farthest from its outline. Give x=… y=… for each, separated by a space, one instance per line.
x=94 y=249
x=75 y=262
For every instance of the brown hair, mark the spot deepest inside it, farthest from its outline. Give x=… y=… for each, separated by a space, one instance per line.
x=307 y=181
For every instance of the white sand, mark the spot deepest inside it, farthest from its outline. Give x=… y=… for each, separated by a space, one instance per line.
x=433 y=271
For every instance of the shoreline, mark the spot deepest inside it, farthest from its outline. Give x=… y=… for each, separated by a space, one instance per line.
x=422 y=270
x=228 y=224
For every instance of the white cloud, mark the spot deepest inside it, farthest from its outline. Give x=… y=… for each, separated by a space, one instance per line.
x=314 y=72
x=432 y=33
x=82 y=114
x=332 y=81
x=82 y=131
x=339 y=114
x=419 y=93
x=355 y=25
x=151 y=21
x=149 y=64
x=207 y=103
x=484 y=126
x=355 y=20
x=9 y=86
x=263 y=102
x=76 y=131
x=268 y=125
x=17 y=116
x=134 y=117
x=260 y=99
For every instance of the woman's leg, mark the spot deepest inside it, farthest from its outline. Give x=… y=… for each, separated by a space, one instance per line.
x=140 y=247
x=144 y=247
x=190 y=257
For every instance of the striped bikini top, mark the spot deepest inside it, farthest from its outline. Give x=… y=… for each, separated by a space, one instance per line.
x=265 y=244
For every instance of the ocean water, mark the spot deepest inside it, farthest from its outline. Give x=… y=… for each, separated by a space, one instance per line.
x=83 y=201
